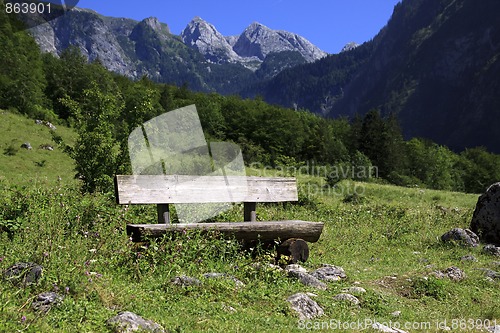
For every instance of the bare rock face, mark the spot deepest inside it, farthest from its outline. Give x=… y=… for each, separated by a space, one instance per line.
x=258 y=41
x=204 y=37
x=486 y=218
x=349 y=46
x=89 y=33
x=154 y=24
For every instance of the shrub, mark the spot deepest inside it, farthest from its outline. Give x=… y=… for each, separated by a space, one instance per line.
x=431 y=287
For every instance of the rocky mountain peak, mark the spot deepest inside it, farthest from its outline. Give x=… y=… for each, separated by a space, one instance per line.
x=257 y=40
x=204 y=37
x=349 y=46
x=155 y=25
x=256 y=28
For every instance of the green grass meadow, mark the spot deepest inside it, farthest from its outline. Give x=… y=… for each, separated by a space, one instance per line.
x=385 y=237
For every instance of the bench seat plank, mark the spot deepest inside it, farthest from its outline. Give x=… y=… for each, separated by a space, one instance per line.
x=264 y=231
x=179 y=189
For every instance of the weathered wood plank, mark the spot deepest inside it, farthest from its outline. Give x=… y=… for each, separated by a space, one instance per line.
x=264 y=231
x=162 y=189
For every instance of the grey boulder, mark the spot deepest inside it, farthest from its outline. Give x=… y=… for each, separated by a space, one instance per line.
x=125 y=322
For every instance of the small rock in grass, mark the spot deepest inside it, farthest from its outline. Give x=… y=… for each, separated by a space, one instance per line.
x=47 y=147
x=491 y=274
x=329 y=273
x=237 y=282
x=463 y=236
x=263 y=267
x=347 y=297
x=492 y=250
x=386 y=329
x=453 y=273
x=305 y=306
x=295 y=267
x=307 y=279
x=126 y=322
x=44 y=301
x=27 y=146
x=468 y=257
x=23 y=273
x=50 y=125
x=228 y=308
x=275 y=267
x=185 y=281
x=354 y=290
x=396 y=314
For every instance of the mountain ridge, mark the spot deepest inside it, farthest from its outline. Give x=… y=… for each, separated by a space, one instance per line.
x=148 y=48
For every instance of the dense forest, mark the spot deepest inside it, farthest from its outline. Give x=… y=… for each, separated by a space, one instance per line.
x=435 y=64
x=104 y=108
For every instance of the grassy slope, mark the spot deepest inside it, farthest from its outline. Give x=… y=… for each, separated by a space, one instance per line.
x=36 y=164
x=385 y=241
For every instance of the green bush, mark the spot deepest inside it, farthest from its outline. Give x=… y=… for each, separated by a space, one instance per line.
x=430 y=287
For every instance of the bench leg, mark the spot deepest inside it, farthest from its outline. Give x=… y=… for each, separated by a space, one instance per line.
x=163 y=213
x=250 y=209
x=295 y=248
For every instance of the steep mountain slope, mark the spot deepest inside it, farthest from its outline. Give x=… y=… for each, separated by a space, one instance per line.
x=316 y=86
x=88 y=31
x=436 y=64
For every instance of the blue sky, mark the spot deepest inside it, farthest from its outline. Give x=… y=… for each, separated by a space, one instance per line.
x=329 y=24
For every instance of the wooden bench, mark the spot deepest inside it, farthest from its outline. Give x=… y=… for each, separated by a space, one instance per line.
x=164 y=190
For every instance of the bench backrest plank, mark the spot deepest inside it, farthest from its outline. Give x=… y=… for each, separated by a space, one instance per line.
x=178 y=189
